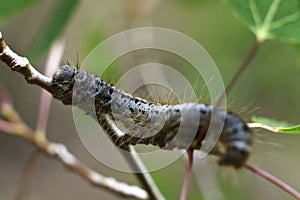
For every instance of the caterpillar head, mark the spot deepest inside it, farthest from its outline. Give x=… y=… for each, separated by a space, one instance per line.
x=236 y=140
x=63 y=81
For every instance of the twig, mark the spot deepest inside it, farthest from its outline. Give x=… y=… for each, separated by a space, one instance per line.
x=144 y=177
x=136 y=164
x=25 y=181
x=187 y=174
x=273 y=180
x=269 y=178
x=22 y=65
x=61 y=152
x=263 y=126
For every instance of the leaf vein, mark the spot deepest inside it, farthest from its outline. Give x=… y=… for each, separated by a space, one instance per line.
x=254 y=12
x=271 y=12
x=287 y=19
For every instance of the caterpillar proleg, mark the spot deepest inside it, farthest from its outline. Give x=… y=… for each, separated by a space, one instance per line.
x=143 y=122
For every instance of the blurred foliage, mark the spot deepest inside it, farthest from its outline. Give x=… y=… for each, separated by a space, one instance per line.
x=55 y=25
x=9 y=8
x=270 y=122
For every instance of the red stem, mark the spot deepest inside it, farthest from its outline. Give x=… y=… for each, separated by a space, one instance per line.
x=187 y=175
x=251 y=54
x=274 y=180
x=4 y=96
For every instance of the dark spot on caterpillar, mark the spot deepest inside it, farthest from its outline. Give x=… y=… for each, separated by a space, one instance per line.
x=203 y=111
x=234 y=131
x=98 y=82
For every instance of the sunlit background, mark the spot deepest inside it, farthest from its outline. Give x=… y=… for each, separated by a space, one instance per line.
x=270 y=87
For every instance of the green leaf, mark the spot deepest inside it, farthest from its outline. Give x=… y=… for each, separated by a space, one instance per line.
x=270 y=122
x=270 y=19
x=54 y=26
x=275 y=126
x=293 y=129
x=9 y=8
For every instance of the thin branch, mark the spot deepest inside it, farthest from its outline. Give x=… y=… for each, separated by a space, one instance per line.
x=23 y=189
x=4 y=97
x=267 y=176
x=136 y=164
x=187 y=174
x=274 y=180
x=144 y=177
x=22 y=65
x=6 y=106
x=263 y=126
x=61 y=152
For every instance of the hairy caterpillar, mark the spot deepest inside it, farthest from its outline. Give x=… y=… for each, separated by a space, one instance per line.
x=143 y=122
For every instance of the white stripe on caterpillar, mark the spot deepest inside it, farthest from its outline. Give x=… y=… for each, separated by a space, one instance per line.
x=143 y=122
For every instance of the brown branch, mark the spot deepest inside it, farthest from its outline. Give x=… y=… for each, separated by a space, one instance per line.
x=137 y=165
x=22 y=65
x=274 y=180
x=144 y=177
x=60 y=152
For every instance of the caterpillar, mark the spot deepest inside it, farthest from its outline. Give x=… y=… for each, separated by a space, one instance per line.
x=143 y=122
